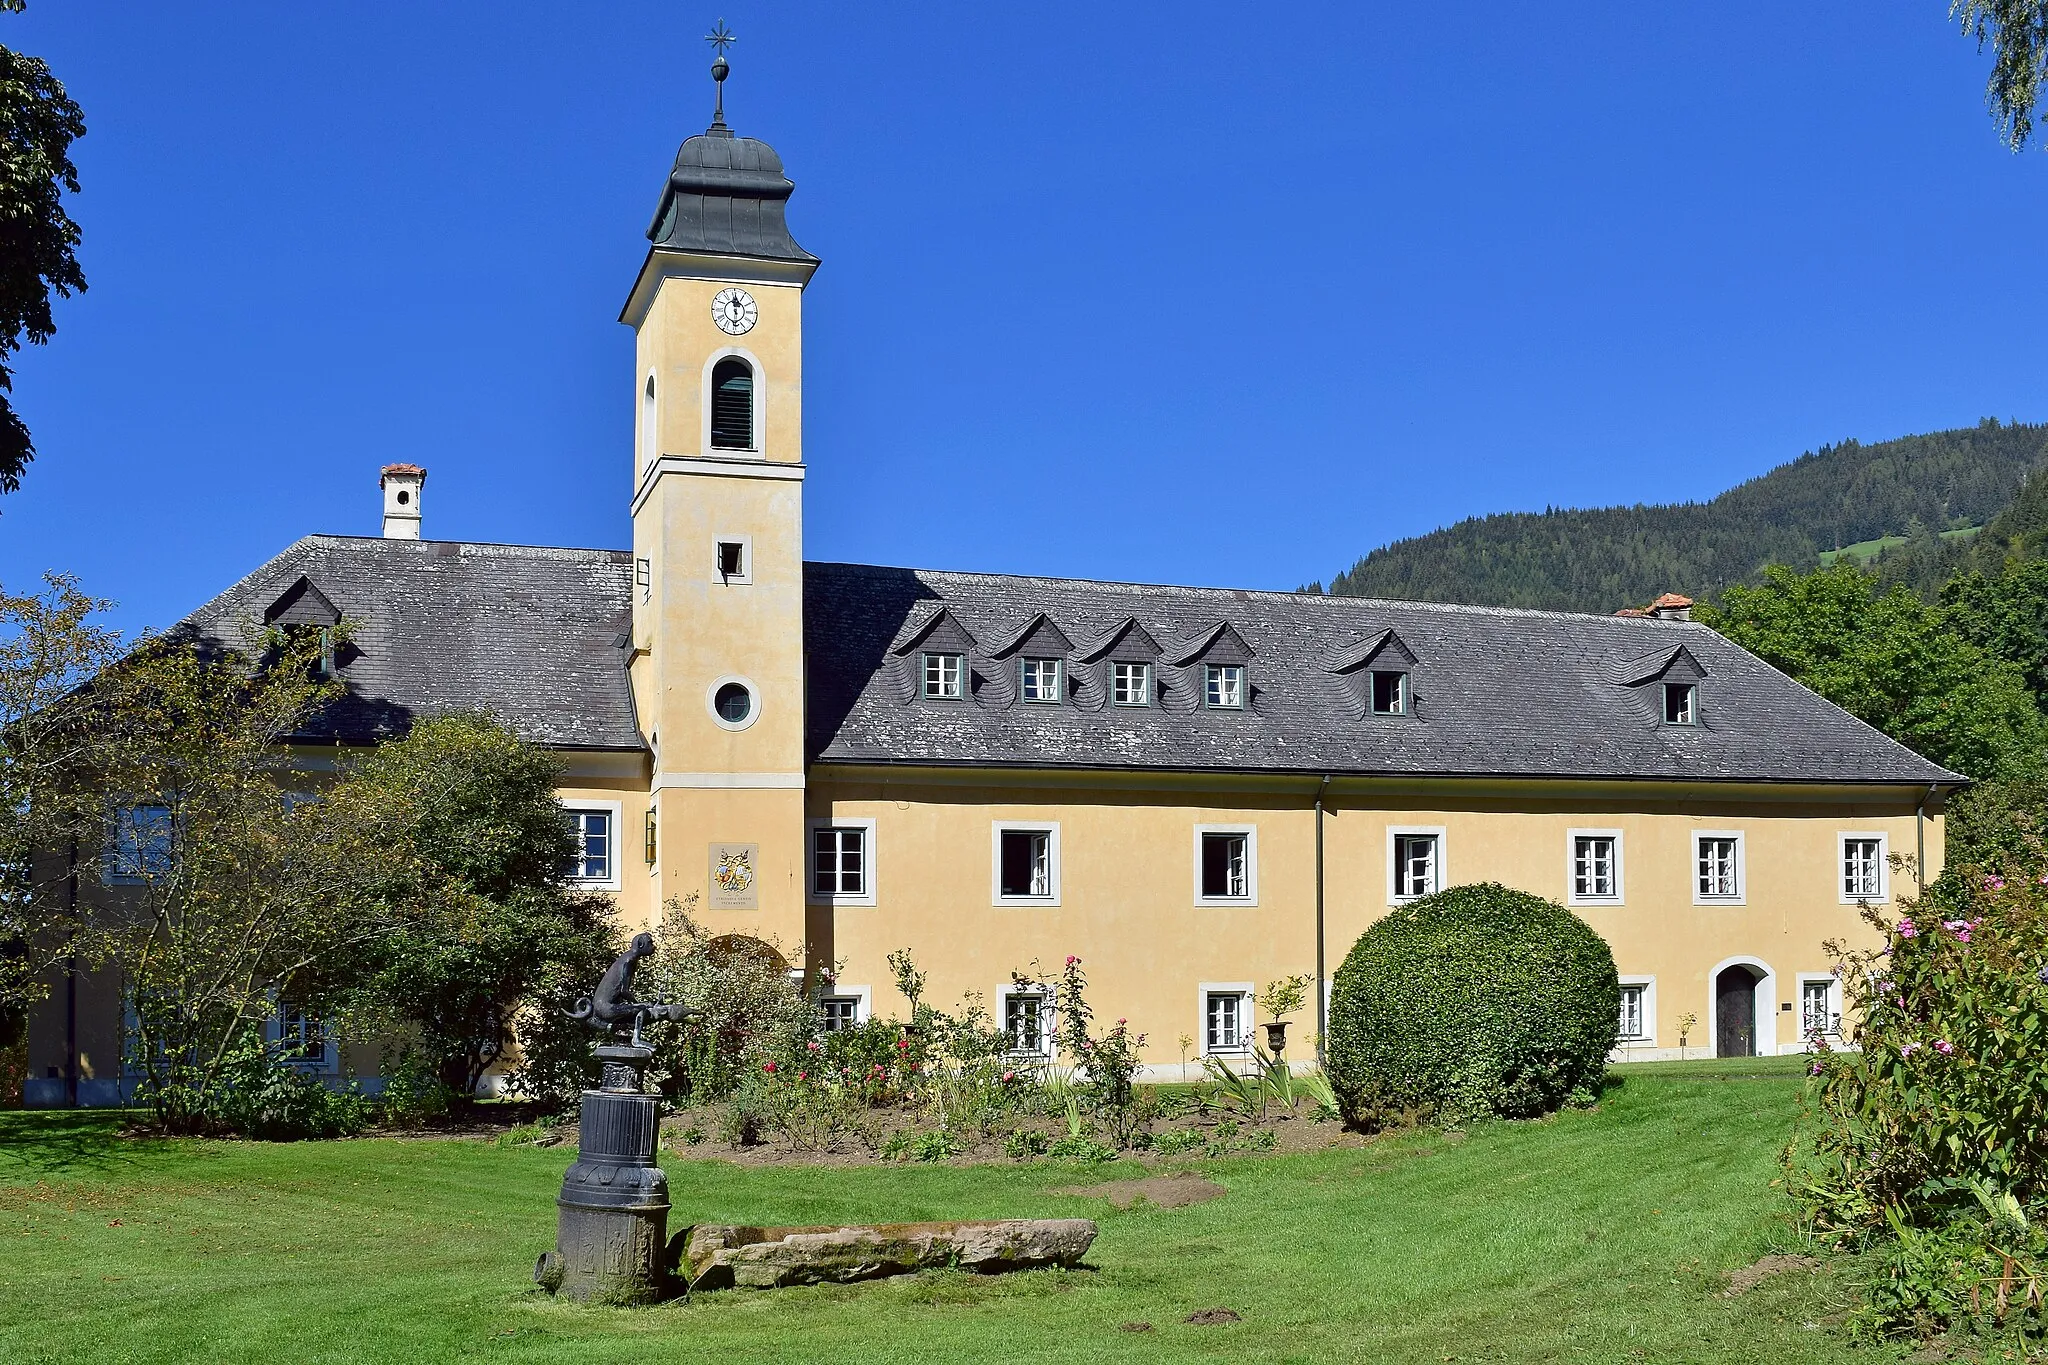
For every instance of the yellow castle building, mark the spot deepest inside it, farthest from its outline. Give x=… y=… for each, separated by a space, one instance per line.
x=1197 y=791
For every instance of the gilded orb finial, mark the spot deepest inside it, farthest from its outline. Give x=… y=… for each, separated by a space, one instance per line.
x=720 y=39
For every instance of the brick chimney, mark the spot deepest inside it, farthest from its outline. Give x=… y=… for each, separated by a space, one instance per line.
x=401 y=484
x=1672 y=607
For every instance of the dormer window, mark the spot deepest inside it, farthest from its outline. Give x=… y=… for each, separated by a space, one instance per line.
x=1223 y=686
x=1681 y=703
x=1130 y=684
x=1041 y=682
x=1389 y=693
x=945 y=676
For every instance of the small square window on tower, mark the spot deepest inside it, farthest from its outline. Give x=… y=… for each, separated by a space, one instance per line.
x=735 y=560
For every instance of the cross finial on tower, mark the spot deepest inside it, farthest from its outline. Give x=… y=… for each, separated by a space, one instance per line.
x=720 y=39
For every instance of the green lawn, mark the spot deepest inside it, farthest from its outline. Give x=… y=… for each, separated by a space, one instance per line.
x=1599 y=1236
x=1863 y=551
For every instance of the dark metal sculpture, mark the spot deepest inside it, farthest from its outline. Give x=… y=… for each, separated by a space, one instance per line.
x=612 y=1234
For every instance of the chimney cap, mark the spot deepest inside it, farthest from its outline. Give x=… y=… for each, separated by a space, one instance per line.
x=1672 y=607
x=400 y=471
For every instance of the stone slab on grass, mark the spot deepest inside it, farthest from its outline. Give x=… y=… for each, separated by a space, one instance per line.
x=722 y=1257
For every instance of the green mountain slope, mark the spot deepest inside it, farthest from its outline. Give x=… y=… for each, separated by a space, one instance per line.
x=1600 y=559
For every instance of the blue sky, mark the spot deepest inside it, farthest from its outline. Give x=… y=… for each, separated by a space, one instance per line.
x=1183 y=293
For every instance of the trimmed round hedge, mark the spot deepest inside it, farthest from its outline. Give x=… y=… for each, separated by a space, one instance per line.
x=1475 y=1001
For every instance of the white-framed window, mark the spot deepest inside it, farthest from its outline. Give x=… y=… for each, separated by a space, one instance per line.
x=945 y=676
x=1130 y=684
x=643 y=578
x=1681 y=703
x=301 y=1038
x=841 y=1007
x=1026 y=858
x=1226 y=864
x=1638 y=1022
x=138 y=844
x=1041 y=680
x=594 y=862
x=1415 y=862
x=733 y=703
x=842 y=861
x=1594 y=876
x=648 y=441
x=1027 y=1020
x=1389 y=693
x=1865 y=872
x=732 y=559
x=1717 y=871
x=1223 y=686
x=1820 y=1006
x=1226 y=1018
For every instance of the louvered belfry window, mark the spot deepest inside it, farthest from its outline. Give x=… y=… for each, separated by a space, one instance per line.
x=732 y=405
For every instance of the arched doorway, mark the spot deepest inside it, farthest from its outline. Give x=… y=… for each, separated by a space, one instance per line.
x=1735 y=1011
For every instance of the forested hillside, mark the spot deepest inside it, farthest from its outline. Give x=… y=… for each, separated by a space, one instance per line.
x=1601 y=559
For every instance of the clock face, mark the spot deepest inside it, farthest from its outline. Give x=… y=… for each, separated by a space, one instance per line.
x=734 y=312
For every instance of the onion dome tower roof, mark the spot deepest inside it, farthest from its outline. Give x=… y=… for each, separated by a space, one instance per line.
x=726 y=194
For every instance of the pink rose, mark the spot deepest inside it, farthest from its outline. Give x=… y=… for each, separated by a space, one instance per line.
x=1009 y=1076
x=1944 y=1047
x=1906 y=929
x=768 y=1067
x=1073 y=961
x=801 y=1076
x=813 y=1045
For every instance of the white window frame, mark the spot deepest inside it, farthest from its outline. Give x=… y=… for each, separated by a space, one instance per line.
x=760 y=431
x=129 y=866
x=1741 y=867
x=1884 y=868
x=1834 y=988
x=753 y=702
x=1246 y=1016
x=926 y=658
x=1692 y=704
x=862 y=996
x=1144 y=676
x=1213 y=678
x=1394 y=836
x=863 y=897
x=997 y=828
x=1048 y=1040
x=1571 y=868
x=326 y=1064
x=1251 y=864
x=1059 y=680
x=746 y=573
x=1648 y=1037
x=613 y=809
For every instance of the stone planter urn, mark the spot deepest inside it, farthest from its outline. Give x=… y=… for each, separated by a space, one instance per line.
x=1276 y=1037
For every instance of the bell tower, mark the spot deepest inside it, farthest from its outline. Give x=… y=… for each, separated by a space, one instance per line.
x=718 y=479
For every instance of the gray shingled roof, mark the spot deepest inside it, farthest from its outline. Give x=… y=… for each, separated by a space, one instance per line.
x=1497 y=692
x=532 y=635
x=535 y=637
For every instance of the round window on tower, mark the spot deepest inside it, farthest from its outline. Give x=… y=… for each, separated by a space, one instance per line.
x=404 y=497
x=732 y=703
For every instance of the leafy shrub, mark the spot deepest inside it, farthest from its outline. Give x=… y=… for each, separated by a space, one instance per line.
x=260 y=1095
x=933 y=1145
x=1078 y=1147
x=1476 y=1001
x=1924 y=1145
x=1178 y=1140
x=414 y=1093
x=1026 y=1143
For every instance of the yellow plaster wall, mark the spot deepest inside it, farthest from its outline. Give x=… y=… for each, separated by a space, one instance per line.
x=1127 y=904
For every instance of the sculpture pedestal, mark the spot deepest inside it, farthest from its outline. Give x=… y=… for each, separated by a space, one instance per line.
x=612 y=1236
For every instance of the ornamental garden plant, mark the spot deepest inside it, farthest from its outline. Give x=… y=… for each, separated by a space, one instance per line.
x=1478 y=1001
x=1926 y=1146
